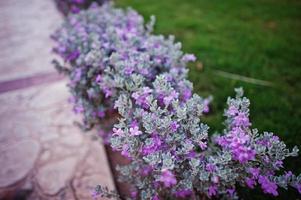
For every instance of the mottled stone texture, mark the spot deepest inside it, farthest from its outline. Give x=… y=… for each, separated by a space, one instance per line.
x=25 y=46
x=43 y=155
x=14 y=167
x=41 y=147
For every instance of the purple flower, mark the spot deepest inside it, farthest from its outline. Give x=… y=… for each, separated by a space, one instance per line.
x=191 y=154
x=135 y=131
x=237 y=141
x=212 y=190
x=232 y=111
x=98 y=78
x=186 y=94
x=108 y=92
x=203 y=145
x=101 y=114
x=140 y=97
x=266 y=159
x=250 y=182
x=125 y=151
x=288 y=175
x=95 y=194
x=168 y=99
x=78 y=109
x=144 y=71
x=134 y=194
x=118 y=132
x=241 y=120
x=215 y=179
x=243 y=154
x=134 y=123
x=231 y=191
x=77 y=75
x=268 y=186
x=174 y=126
x=206 y=105
x=61 y=49
x=238 y=136
x=189 y=58
x=235 y=138
x=278 y=164
x=184 y=193
x=156 y=197
x=73 y=55
x=79 y=1
x=128 y=70
x=146 y=170
x=275 y=138
x=222 y=141
x=74 y=9
x=168 y=178
x=254 y=171
x=210 y=167
x=298 y=187
x=156 y=144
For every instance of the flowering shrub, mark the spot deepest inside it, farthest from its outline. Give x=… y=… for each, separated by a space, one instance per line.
x=115 y=64
x=107 y=51
x=173 y=156
x=74 y=6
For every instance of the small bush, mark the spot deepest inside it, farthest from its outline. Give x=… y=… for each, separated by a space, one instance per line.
x=116 y=64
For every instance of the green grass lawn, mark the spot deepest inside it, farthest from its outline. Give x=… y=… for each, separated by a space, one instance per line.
x=260 y=39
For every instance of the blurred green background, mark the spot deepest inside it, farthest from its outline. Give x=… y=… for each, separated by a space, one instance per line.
x=259 y=39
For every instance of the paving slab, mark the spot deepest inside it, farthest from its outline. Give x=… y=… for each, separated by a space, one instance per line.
x=14 y=167
x=43 y=155
x=42 y=150
x=25 y=45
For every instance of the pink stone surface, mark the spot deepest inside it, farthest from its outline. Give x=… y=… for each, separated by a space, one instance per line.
x=43 y=155
x=41 y=146
x=14 y=167
x=25 y=45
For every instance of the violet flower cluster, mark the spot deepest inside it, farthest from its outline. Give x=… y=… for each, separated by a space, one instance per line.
x=75 y=6
x=107 y=51
x=172 y=155
x=116 y=64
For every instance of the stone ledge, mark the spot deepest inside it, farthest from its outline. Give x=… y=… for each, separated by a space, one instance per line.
x=43 y=151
